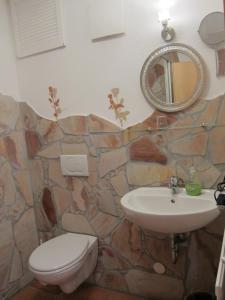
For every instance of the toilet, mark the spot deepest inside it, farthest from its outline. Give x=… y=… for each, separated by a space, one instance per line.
x=66 y=260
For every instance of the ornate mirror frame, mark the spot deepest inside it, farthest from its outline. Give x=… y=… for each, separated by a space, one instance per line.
x=149 y=63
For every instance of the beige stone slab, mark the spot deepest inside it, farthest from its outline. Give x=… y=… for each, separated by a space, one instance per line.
x=24 y=185
x=154 y=286
x=25 y=232
x=193 y=145
x=120 y=184
x=104 y=224
x=217 y=145
x=79 y=195
x=73 y=149
x=111 y=160
x=97 y=124
x=36 y=171
x=7 y=184
x=16 y=266
x=49 y=130
x=6 y=250
x=51 y=151
x=62 y=198
x=106 y=140
x=74 y=125
x=55 y=173
x=76 y=223
x=148 y=174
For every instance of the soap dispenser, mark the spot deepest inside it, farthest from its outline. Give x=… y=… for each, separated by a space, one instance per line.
x=193 y=188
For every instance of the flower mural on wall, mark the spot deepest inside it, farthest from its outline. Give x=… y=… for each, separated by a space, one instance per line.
x=117 y=104
x=54 y=101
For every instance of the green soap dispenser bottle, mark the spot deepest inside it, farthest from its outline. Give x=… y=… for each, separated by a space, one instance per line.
x=193 y=188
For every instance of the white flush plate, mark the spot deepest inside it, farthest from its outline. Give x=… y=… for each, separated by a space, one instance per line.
x=74 y=165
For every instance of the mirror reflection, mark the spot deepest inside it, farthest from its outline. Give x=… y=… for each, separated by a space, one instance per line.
x=172 y=77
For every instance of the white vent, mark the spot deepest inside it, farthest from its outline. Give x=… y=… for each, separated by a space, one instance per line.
x=38 y=25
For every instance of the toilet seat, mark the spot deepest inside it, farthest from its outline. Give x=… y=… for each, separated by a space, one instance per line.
x=54 y=256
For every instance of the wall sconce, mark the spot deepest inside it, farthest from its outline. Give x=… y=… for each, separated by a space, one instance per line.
x=167 y=32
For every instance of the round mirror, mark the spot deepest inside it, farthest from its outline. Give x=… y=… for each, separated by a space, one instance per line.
x=212 y=29
x=172 y=77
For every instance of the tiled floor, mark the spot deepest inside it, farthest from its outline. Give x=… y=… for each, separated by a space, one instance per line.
x=35 y=291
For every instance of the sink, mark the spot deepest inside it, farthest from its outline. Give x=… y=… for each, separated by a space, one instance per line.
x=156 y=209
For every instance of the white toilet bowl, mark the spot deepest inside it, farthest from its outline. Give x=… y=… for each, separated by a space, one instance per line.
x=66 y=260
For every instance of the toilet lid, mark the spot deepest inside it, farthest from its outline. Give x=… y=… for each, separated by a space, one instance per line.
x=59 y=252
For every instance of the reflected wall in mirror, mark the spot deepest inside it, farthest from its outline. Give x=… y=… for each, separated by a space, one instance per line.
x=172 y=77
x=211 y=29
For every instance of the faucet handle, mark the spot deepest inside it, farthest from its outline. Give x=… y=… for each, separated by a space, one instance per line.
x=175 y=181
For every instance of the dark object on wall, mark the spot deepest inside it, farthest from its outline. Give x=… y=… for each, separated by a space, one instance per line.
x=219 y=194
x=200 y=296
x=49 y=206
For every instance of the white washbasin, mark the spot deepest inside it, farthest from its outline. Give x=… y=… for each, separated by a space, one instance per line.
x=152 y=209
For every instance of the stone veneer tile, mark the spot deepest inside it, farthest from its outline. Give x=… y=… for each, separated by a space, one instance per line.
x=131 y=246
x=6 y=250
x=33 y=143
x=203 y=254
x=25 y=232
x=36 y=171
x=144 y=174
x=160 y=250
x=74 y=125
x=49 y=130
x=73 y=149
x=8 y=184
x=209 y=115
x=194 y=145
x=55 y=173
x=48 y=206
x=16 y=266
x=79 y=195
x=51 y=151
x=104 y=224
x=151 y=122
x=106 y=140
x=221 y=119
x=62 y=199
x=145 y=150
x=113 y=280
x=97 y=124
x=111 y=160
x=120 y=184
x=29 y=116
x=13 y=148
x=24 y=186
x=217 y=145
x=154 y=286
x=105 y=202
x=76 y=223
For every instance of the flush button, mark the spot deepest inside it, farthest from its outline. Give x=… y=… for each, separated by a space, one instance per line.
x=74 y=165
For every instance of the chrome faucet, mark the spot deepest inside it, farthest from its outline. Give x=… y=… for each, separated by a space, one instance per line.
x=174 y=183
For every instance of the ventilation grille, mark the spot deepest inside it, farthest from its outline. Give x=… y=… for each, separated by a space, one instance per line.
x=37 y=25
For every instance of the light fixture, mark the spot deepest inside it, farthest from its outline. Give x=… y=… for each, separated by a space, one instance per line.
x=167 y=32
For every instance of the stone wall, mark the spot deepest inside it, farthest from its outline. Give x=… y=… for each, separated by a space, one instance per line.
x=130 y=259
x=17 y=221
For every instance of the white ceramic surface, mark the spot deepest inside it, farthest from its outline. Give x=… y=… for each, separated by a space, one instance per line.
x=152 y=209
x=74 y=265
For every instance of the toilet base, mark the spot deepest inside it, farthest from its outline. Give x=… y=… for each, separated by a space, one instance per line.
x=82 y=274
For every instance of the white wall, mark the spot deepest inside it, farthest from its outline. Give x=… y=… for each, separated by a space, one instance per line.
x=85 y=71
x=8 y=73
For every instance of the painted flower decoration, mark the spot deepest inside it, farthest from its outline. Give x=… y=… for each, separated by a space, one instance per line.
x=117 y=104
x=54 y=101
